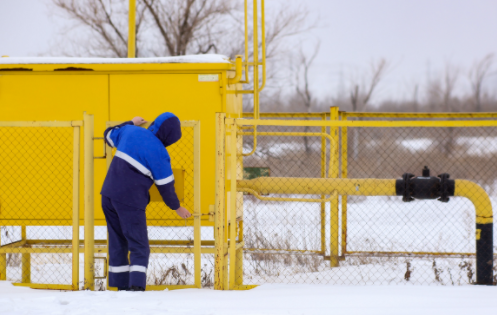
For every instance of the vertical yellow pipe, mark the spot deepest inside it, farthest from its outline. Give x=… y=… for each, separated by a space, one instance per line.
x=3 y=263
x=263 y=35
x=256 y=62
x=131 y=29
x=344 y=175
x=334 y=223
x=196 y=204
x=233 y=195
x=323 y=175
x=25 y=260
x=89 y=283
x=246 y=45
x=75 y=209
x=219 y=264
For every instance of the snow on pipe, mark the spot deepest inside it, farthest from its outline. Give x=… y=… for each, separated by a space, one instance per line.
x=423 y=187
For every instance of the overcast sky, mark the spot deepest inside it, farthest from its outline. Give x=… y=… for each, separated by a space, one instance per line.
x=417 y=37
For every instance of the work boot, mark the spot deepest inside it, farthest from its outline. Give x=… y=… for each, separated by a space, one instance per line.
x=135 y=288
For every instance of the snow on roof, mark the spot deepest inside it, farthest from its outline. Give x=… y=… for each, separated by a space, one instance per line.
x=71 y=60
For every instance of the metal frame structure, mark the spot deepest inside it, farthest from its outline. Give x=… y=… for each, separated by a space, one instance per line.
x=31 y=246
x=229 y=273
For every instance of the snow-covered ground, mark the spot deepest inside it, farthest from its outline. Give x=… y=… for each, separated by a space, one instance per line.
x=266 y=299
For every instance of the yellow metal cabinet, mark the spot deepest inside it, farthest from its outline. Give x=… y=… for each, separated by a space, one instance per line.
x=43 y=196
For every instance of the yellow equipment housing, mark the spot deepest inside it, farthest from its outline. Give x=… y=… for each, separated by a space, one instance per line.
x=47 y=89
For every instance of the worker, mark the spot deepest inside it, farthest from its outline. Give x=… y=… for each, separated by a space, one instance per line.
x=140 y=161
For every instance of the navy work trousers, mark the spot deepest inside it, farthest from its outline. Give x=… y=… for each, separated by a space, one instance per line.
x=127 y=228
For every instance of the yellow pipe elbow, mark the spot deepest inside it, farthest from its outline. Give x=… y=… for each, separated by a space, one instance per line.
x=238 y=71
x=479 y=198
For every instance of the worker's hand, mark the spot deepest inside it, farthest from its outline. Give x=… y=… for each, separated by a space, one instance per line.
x=138 y=121
x=182 y=212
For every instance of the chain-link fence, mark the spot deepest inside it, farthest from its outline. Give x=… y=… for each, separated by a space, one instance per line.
x=372 y=237
x=37 y=202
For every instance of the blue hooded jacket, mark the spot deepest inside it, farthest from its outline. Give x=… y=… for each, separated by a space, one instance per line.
x=141 y=160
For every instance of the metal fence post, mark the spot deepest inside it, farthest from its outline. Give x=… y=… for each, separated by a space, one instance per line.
x=219 y=264
x=196 y=205
x=333 y=173
x=323 y=175
x=89 y=283
x=25 y=260
x=75 y=209
x=232 y=206
x=344 y=175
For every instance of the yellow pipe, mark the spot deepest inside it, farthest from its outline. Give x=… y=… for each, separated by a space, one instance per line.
x=319 y=186
x=75 y=210
x=254 y=147
x=131 y=29
x=246 y=81
x=420 y=115
x=238 y=71
x=256 y=60
x=258 y=196
x=219 y=259
x=89 y=283
x=263 y=35
x=363 y=123
x=479 y=198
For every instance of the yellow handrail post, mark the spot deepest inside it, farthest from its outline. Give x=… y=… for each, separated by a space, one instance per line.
x=333 y=170
x=344 y=175
x=89 y=283
x=25 y=260
x=232 y=204
x=219 y=264
x=132 y=29
x=323 y=175
x=75 y=209
x=196 y=205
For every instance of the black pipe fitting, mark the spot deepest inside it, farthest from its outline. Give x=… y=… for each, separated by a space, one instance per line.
x=425 y=187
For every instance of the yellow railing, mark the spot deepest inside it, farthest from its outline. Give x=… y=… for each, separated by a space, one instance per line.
x=27 y=246
x=227 y=275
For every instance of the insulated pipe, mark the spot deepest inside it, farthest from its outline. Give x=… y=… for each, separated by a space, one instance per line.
x=484 y=228
x=390 y=187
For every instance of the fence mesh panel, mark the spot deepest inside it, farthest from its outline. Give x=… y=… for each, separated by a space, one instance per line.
x=384 y=239
x=36 y=200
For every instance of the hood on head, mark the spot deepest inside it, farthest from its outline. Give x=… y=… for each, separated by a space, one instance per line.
x=167 y=128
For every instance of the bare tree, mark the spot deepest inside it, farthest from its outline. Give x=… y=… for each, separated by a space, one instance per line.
x=171 y=27
x=360 y=97
x=477 y=76
x=106 y=20
x=302 y=89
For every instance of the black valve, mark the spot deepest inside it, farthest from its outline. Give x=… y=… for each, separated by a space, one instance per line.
x=425 y=186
